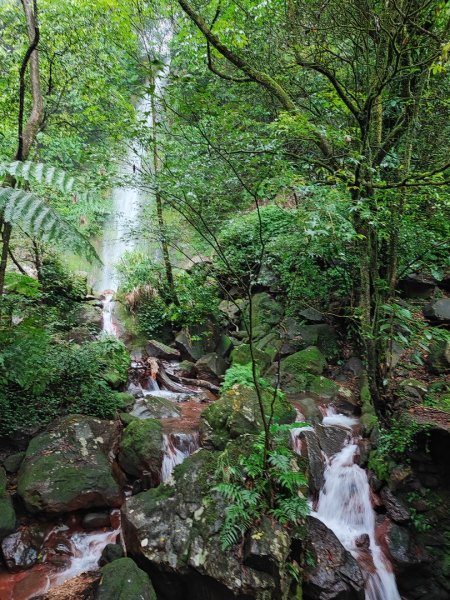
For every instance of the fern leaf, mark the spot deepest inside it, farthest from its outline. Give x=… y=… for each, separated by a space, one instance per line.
x=38 y=219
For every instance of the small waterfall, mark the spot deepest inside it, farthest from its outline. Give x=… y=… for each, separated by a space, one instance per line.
x=345 y=507
x=177 y=447
x=109 y=326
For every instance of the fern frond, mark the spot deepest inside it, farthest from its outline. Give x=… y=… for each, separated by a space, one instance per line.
x=38 y=219
x=47 y=175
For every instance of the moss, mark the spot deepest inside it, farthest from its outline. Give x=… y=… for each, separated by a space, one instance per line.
x=242 y=356
x=369 y=418
x=238 y=412
x=266 y=313
x=310 y=360
x=124 y=400
x=323 y=387
x=123 y=580
x=7 y=514
x=141 y=447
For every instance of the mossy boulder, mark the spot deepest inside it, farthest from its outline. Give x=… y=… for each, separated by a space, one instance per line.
x=369 y=418
x=323 y=387
x=155 y=407
x=211 y=367
x=270 y=344
x=7 y=514
x=69 y=466
x=299 y=336
x=176 y=530
x=89 y=316
x=237 y=412
x=141 y=449
x=266 y=314
x=242 y=356
x=296 y=370
x=439 y=357
x=123 y=580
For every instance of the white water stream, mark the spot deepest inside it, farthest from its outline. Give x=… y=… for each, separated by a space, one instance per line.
x=345 y=507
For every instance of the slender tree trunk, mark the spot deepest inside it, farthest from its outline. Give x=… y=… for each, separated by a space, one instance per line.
x=159 y=208
x=27 y=133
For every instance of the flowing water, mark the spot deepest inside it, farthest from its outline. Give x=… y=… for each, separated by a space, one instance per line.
x=345 y=507
x=177 y=447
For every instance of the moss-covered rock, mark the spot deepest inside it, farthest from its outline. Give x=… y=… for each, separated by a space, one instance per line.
x=266 y=314
x=141 y=449
x=242 y=356
x=297 y=370
x=270 y=344
x=7 y=514
x=439 y=357
x=69 y=466
x=211 y=367
x=155 y=407
x=123 y=580
x=237 y=412
x=323 y=387
x=368 y=419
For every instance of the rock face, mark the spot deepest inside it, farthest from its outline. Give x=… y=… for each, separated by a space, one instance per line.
x=237 y=412
x=336 y=574
x=174 y=533
x=438 y=312
x=7 y=515
x=123 y=580
x=141 y=450
x=69 y=467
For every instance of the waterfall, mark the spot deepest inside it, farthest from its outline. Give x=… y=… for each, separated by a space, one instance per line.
x=177 y=447
x=345 y=507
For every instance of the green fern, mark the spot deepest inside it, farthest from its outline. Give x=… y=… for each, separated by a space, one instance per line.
x=35 y=216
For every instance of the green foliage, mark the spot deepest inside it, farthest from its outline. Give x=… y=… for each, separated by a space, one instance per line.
x=250 y=491
x=242 y=375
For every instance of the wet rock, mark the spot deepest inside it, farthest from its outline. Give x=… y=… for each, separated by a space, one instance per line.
x=69 y=466
x=123 y=580
x=336 y=574
x=17 y=553
x=266 y=547
x=96 y=520
x=7 y=514
x=141 y=450
x=403 y=548
x=242 y=356
x=310 y=449
x=90 y=316
x=363 y=541
x=111 y=552
x=394 y=508
x=186 y=368
x=12 y=463
x=308 y=407
x=190 y=349
x=237 y=412
x=160 y=350
x=155 y=407
x=331 y=439
x=211 y=367
x=438 y=312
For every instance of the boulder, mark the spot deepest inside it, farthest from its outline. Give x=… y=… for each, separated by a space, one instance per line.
x=141 y=450
x=439 y=357
x=237 y=412
x=417 y=285
x=89 y=316
x=336 y=574
x=160 y=350
x=231 y=309
x=270 y=344
x=413 y=388
x=224 y=346
x=13 y=461
x=186 y=368
x=296 y=370
x=354 y=367
x=310 y=449
x=211 y=367
x=155 y=407
x=7 y=514
x=123 y=580
x=299 y=336
x=311 y=314
x=322 y=387
x=438 y=312
x=190 y=349
x=241 y=356
x=266 y=314
x=403 y=548
x=331 y=439
x=175 y=532
x=69 y=466
x=110 y=553
x=18 y=554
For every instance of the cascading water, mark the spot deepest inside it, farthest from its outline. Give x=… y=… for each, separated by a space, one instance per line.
x=345 y=507
x=177 y=447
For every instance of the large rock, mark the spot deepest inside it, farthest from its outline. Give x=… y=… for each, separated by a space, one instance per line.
x=123 y=580
x=155 y=407
x=160 y=350
x=69 y=466
x=307 y=445
x=141 y=452
x=438 y=312
x=237 y=412
x=298 y=336
x=331 y=439
x=242 y=355
x=403 y=548
x=296 y=370
x=89 y=316
x=7 y=514
x=439 y=357
x=175 y=532
x=417 y=285
x=336 y=574
x=211 y=367
x=266 y=314
x=394 y=508
x=18 y=552
x=190 y=349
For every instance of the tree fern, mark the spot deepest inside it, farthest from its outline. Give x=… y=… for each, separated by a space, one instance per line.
x=38 y=219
